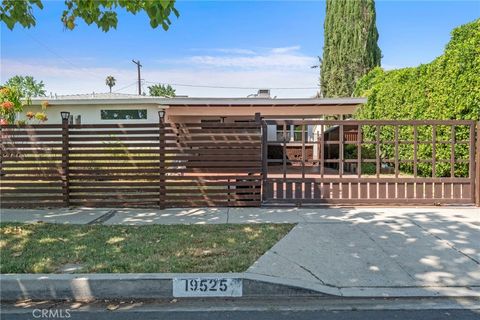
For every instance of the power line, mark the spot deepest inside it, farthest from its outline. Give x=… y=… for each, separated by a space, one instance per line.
x=172 y=84
x=42 y=44
x=127 y=86
x=230 y=87
x=59 y=56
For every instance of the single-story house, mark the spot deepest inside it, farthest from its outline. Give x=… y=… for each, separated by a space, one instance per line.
x=97 y=108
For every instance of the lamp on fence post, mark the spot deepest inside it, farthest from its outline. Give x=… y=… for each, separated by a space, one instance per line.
x=161 y=154
x=65 y=115
x=65 y=174
x=161 y=114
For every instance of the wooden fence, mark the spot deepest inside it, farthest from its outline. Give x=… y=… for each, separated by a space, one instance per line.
x=386 y=162
x=149 y=165
x=227 y=164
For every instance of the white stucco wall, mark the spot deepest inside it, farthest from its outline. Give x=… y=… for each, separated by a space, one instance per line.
x=91 y=113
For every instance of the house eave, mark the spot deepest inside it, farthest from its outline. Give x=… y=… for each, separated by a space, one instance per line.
x=204 y=102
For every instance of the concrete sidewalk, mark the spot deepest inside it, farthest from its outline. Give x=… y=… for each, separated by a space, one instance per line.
x=134 y=216
x=342 y=251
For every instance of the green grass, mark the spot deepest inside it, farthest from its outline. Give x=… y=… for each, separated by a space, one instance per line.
x=45 y=248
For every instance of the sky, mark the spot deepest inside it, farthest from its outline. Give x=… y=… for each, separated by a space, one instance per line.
x=217 y=45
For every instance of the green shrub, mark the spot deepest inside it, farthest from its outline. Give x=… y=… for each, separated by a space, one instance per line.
x=447 y=88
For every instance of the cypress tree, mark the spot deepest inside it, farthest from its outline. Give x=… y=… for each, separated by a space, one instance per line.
x=350 y=50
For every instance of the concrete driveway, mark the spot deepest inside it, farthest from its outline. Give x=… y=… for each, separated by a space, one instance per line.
x=353 y=249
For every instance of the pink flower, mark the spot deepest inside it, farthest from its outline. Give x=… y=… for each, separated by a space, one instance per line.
x=3 y=122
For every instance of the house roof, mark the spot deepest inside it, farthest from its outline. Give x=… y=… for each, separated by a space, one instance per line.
x=121 y=98
x=94 y=95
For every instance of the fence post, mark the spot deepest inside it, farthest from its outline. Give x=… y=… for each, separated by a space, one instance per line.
x=65 y=159
x=161 y=153
x=264 y=150
x=477 y=171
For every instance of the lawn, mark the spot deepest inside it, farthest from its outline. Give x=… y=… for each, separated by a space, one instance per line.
x=46 y=248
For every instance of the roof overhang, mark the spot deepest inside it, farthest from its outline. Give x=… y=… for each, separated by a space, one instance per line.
x=252 y=102
x=205 y=102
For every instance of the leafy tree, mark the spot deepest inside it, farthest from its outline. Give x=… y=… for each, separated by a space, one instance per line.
x=160 y=90
x=110 y=82
x=350 y=50
x=448 y=88
x=27 y=86
x=12 y=103
x=102 y=13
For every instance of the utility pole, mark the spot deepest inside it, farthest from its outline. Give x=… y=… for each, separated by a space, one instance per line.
x=139 y=78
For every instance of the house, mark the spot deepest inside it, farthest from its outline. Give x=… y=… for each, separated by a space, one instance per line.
x=97 y=108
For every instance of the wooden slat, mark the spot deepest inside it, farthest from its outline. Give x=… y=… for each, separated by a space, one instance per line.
x=30 y=132
x=209 y=131
x=31 y=191
x=35 y=165
x=21 y=146
x=126 y=184
x=112 y=164
x=214 y=197
x=209 y=177
x=37 y=172
x=109 y=146
x=36 y=138
x=30 y=159
x=31 y=198
x=215 y=138
x=113 y=125
x=197 y=191
x=110 y=196
x=35 y=205
x=111 y=132
x=113 y=138
x=217 y=125
x=100 y=177
x=30 y=126
x=87 y=151
x=37 y=184
x=171 y=170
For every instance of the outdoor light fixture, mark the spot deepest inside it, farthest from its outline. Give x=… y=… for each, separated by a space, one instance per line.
x=65 y=115
x=161 y=113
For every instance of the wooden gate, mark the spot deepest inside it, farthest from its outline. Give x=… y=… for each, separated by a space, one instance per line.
x=370 y=162
x=137 y=164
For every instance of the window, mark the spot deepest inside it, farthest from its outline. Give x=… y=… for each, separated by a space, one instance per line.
x=125 y=114
x=297 y=133
x=280 y=134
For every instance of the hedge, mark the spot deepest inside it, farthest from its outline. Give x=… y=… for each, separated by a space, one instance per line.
x=447 y=88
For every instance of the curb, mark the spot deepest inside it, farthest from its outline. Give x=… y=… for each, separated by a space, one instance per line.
x=83 y=287
x=125 y=285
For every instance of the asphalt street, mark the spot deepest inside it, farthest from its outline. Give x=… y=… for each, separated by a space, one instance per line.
x=301 y=308
x=268 y=315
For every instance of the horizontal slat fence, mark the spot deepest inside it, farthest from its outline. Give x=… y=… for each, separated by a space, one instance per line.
x=31 y=166
x=213 y=164
x=114 y=165
x=129 y=165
